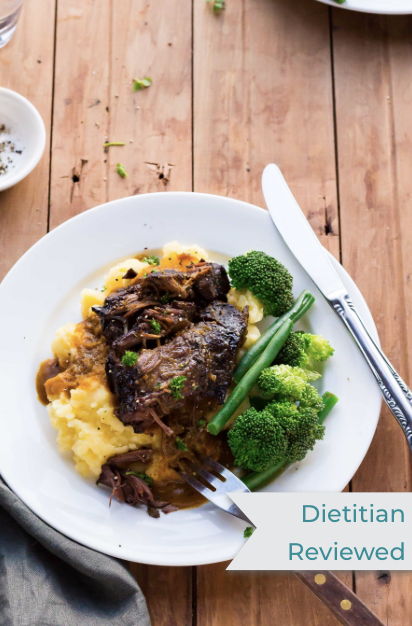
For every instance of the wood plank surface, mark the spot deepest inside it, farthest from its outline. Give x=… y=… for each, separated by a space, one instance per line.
x=26 y=65
x=263 y=93
x=155 y=123
x=373 y=134
x=80 y=119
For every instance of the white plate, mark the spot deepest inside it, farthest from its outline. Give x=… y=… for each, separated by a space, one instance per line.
x=42 y=292
x=25 y=129
x=386 y=7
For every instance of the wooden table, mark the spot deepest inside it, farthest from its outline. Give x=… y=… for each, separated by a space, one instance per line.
x=324 y=93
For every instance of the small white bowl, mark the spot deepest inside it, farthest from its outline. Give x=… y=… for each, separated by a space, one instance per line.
x=26 y=132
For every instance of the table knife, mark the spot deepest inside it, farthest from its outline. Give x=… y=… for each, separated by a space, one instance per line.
x=302 y=241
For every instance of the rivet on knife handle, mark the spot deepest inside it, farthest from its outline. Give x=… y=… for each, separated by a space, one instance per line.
x=339 y=599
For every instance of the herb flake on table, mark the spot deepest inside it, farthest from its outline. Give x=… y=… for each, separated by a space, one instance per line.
x=120 y=169
x=218 y=5
x=144 y=83
x=109 y=144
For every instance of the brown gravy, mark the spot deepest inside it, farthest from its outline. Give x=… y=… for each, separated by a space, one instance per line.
x=180 y=494
x=47 y=370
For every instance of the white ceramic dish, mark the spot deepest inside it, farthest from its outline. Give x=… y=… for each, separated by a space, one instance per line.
x=385 y=7
x=25 y=129
x=44 y=287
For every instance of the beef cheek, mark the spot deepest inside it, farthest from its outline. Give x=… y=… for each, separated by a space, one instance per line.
x=203 y=355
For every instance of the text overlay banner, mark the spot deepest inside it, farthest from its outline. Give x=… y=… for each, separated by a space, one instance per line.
x=337 y=531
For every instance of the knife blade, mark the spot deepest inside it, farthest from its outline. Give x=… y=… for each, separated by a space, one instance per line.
x=302 y=241
x=297 y=232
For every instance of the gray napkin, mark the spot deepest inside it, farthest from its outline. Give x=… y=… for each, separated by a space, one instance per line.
x=48 y=580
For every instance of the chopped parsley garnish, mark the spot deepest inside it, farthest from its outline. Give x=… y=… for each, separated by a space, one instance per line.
x=218 y=5
x=180 y=445
x=176 y=386
x=144 y=83
x=120 y=169
x=248 y=532
x=166 y=298
x=155 y=326
x=103 y=289
x=129 y=358
x=201 y=423
x=152 y=260
x=142 y=476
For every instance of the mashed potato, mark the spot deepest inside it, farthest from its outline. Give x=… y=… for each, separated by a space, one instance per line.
x=63 y=345
x=87 y=426
x=89 y=298
x=194 y=250
x=84 y=417
x=252 y=335
x=243 y=297
x=115 y=280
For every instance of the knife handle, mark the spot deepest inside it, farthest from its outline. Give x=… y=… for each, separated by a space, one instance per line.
x=397 y=395
x=339 y=599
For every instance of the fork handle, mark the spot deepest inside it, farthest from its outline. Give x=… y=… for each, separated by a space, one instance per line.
x=339 y=599
x=397 y=395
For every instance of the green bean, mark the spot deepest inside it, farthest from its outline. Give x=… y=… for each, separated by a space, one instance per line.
x=301 y=305
x=255 y=479
x=249 y=380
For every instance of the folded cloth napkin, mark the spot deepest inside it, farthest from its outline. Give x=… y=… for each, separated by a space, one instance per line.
x=48 y=580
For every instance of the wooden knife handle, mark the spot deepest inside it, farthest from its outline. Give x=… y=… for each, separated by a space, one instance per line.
x=339 y=599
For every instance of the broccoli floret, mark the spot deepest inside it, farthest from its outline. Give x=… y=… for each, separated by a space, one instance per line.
x=300 y=426
x=257 y=440
x=285 y=380
x=310 y=398
x=317 y=347
x=282 y=431
x=303 y=350
x=293 y=351
x=268 y=280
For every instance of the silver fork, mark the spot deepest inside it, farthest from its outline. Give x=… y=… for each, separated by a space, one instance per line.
x=218 y=486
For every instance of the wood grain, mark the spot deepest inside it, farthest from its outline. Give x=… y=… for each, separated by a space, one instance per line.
x=26 y=65
x=263 y=93
x=80 y=100
x=168 y=592
x=374 y=246
x=155 y=123
x=226 y=598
